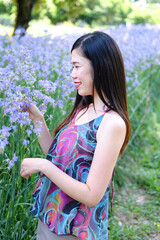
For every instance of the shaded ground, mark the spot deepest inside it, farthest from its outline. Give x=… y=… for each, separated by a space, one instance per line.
x=135 y=213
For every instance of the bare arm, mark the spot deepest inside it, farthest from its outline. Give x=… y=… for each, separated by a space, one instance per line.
x=45 y=139
x=109 y=142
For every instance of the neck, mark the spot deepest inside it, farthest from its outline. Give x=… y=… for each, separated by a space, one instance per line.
x=99 y=105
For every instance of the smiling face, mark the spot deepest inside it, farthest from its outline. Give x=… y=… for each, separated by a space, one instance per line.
x=82 y=73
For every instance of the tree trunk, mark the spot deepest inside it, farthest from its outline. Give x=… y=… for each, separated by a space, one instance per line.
x=24 y=10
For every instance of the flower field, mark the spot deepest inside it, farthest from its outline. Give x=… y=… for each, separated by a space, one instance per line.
x=37 y=70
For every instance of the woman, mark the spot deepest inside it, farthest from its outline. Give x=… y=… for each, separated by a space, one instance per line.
x=71 y=197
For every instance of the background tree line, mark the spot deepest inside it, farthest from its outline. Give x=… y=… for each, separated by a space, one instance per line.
x=91 y=12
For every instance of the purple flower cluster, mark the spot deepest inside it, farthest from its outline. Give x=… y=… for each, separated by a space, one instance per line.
x=140 y=48
x=11 y=162
x=4 y=134
x=37 y=70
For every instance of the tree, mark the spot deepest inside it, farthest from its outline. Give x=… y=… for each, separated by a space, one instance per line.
x=23 y=16
x=64 y=10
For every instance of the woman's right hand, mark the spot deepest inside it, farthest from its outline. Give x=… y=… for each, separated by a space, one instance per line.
x=34 y=113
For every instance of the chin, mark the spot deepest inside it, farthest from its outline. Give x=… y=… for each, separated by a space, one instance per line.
x=84 y=93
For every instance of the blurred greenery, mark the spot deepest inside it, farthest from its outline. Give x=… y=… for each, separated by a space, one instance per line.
x=136 y=208
x=87 y=12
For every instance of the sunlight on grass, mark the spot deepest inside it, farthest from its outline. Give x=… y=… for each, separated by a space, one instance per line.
x=5 y=30
x=41 y=27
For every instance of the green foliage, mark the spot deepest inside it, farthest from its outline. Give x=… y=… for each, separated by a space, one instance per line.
x=58 y=10
x=70 y=9
x=6 y=6
x=7 y=12
x=43 y=8
x=2 y=7
x=150 y=14
x=153 y=1
x=106 y=12
x=92 y=12
x=114 y=11
x=136 y=208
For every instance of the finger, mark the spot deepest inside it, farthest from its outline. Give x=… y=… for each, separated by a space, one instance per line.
x=23 y=169
x=24 y=174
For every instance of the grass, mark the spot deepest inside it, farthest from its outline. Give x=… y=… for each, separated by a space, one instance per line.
x=39 y=27
x=136 y=212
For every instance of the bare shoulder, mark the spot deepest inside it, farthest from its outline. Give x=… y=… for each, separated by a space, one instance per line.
x=113 y=118
x=112 y=123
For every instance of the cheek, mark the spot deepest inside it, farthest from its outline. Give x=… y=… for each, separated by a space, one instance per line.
x=90 y=78
x=90 y=74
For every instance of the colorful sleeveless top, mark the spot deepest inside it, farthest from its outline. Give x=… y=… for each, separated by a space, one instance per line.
x=72 y=151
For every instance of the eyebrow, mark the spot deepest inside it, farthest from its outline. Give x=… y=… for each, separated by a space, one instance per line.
x=75 y=62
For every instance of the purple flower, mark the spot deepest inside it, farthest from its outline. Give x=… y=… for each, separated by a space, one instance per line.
x=25 y=142
x=14 y=127
x=28 y=132
x=15 y=158
x=38 y=130
x=3 y=143
x=11 y=162
x=4 y=132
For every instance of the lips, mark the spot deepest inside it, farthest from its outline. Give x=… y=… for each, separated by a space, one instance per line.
x=77 y=84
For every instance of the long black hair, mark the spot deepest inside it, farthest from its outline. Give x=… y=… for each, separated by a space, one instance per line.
x=109 y=77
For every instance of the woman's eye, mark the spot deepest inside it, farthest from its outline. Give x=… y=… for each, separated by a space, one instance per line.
x=75 y=67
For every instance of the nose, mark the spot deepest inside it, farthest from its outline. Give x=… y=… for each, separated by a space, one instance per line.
x=73 y=74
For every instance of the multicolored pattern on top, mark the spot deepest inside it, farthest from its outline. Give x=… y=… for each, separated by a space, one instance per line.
x=72 y=151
